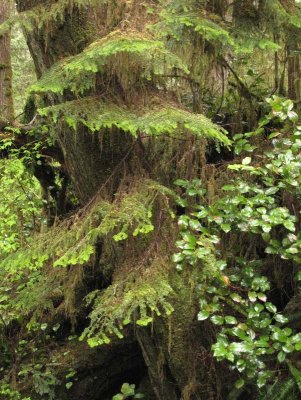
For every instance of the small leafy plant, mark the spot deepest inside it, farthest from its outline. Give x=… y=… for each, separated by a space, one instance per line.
x=128 y=392
x=234 y=292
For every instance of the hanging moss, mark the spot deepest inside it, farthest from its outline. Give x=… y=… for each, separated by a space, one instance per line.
x=162 y=119
x=46 y=13
x=72 y=242
x=135 y=297
x=148 y=56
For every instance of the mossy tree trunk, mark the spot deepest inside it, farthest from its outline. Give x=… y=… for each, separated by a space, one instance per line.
x=96 y=160
x=90 y=160
x=6 y=98
x=293 y=57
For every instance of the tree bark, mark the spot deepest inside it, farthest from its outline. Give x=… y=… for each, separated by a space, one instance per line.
x=294 y=74
x=6 y=98
x=293 y=56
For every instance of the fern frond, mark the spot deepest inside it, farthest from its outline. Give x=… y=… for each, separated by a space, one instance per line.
x=296 y=373
x=282 y=391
